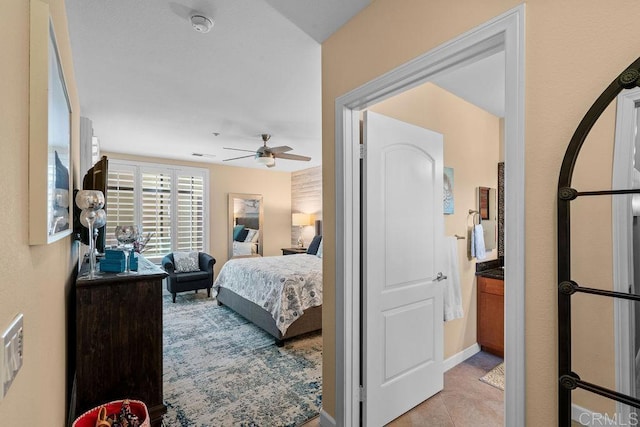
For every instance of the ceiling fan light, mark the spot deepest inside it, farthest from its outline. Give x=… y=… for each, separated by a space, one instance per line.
x=266 y=160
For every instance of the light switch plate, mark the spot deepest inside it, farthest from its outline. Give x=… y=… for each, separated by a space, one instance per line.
x=11 y=354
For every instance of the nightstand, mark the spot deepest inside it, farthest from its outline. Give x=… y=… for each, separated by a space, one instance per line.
x=292 y=251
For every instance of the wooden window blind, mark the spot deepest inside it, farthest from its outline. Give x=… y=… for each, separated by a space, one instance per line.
x=169 y=202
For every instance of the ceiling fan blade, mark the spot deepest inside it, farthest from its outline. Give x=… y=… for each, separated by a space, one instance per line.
x=236 y=158
x=291 y=157
x=280 y=149
x=239 y=149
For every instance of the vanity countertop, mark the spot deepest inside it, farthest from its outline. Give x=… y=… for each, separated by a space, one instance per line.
x=492 y=268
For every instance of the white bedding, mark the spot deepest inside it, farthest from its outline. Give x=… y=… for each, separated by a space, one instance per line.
x=244 y=248
x=285 y=286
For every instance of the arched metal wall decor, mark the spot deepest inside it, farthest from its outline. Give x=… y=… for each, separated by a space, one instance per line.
x=569 y=380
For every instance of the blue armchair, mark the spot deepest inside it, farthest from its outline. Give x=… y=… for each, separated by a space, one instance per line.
x=189 y=281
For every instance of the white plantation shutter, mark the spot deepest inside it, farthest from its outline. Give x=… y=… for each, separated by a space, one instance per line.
x=190 y=213
x=120 y=203
x=169 y=202
x=155 y=212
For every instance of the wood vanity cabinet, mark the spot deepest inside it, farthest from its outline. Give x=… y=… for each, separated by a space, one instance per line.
x=118 y=334
x=491 y=315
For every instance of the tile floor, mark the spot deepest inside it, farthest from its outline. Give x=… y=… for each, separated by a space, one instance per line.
x=465 y=401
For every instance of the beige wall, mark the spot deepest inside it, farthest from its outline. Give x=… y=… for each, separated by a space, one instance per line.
x=471 y=141
x=35 y=279
x=274 y=186
x=573 y=51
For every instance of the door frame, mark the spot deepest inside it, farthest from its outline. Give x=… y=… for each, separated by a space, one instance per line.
x=503 y=33
x=622 y=178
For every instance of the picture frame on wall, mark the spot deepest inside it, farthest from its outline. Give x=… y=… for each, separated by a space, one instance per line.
x=50 y=189
x=447 y=192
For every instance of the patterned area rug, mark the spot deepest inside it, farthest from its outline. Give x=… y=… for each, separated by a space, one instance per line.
x=495 y=377
x=221 y=370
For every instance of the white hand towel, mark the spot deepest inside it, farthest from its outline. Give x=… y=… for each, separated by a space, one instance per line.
x=452 y=292
x=478 y=248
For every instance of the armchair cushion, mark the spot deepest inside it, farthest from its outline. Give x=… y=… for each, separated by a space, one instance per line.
x=192 y=275
x=186 y=262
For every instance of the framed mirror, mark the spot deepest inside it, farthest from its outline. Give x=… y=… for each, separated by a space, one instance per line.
x=246 y=213
x=487 y=205
x=50 y=217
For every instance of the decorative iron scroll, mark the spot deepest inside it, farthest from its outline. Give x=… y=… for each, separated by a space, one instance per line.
x=568 y=380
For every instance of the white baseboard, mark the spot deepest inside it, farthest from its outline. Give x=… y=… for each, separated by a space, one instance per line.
x=326 y=420
x=460 y=357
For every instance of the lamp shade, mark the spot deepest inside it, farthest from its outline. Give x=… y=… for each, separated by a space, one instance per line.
x=300 y=219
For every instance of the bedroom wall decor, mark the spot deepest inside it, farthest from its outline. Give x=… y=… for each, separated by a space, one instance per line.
x=447 y=193
x=50 y=217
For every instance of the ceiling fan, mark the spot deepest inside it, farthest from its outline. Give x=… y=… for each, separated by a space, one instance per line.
x=268 y=155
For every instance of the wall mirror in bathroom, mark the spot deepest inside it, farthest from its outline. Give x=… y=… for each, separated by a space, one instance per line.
x=246 y=213
x=487 y=207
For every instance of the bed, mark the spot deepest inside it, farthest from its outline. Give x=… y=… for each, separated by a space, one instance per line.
x=246 y=236
x=280 y=294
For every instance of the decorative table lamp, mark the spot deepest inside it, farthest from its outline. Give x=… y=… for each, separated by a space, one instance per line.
x=93 y=217
x=301 y=220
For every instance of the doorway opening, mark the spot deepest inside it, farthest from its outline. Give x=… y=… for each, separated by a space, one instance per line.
x=469 y=128
x=504 y=33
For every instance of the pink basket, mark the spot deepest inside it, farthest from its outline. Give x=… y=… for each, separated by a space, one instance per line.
x=89 y=418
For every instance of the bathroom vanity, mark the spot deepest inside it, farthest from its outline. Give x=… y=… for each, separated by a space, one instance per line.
x=491 y=310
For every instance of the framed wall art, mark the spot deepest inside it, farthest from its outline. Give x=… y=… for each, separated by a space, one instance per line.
x=50 y=191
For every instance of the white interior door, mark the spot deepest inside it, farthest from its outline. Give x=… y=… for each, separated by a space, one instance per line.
x=403 y=298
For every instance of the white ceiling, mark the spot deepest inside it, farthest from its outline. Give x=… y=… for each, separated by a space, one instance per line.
x=153 y=86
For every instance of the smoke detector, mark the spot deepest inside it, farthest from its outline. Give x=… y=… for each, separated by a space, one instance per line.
x=201 y=24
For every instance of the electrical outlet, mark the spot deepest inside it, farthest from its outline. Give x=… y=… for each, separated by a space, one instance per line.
x=11 y=354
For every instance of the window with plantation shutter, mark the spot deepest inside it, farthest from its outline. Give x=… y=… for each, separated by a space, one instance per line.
x=155 y=211
x=168 y=202
x=190 y=213
x=120 y=204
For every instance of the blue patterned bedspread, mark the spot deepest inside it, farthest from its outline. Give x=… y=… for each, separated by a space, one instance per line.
x=285 y=286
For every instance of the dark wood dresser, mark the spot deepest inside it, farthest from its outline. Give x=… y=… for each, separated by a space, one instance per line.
x=118 y=334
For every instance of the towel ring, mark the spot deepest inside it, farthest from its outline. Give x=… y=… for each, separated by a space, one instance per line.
x=475 y=214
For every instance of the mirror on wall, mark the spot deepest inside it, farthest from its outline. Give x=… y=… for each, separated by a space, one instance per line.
x=245 y=225
x=488 y=210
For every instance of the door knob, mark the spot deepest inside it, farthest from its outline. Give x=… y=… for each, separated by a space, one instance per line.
x=440 y=277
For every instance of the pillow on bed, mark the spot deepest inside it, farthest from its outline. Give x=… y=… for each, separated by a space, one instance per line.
x=186 y=262
x=251 y=234
x=313 y=246
x=319 y=253
x=242 y=235
x=236 y=231
x=243 y=248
